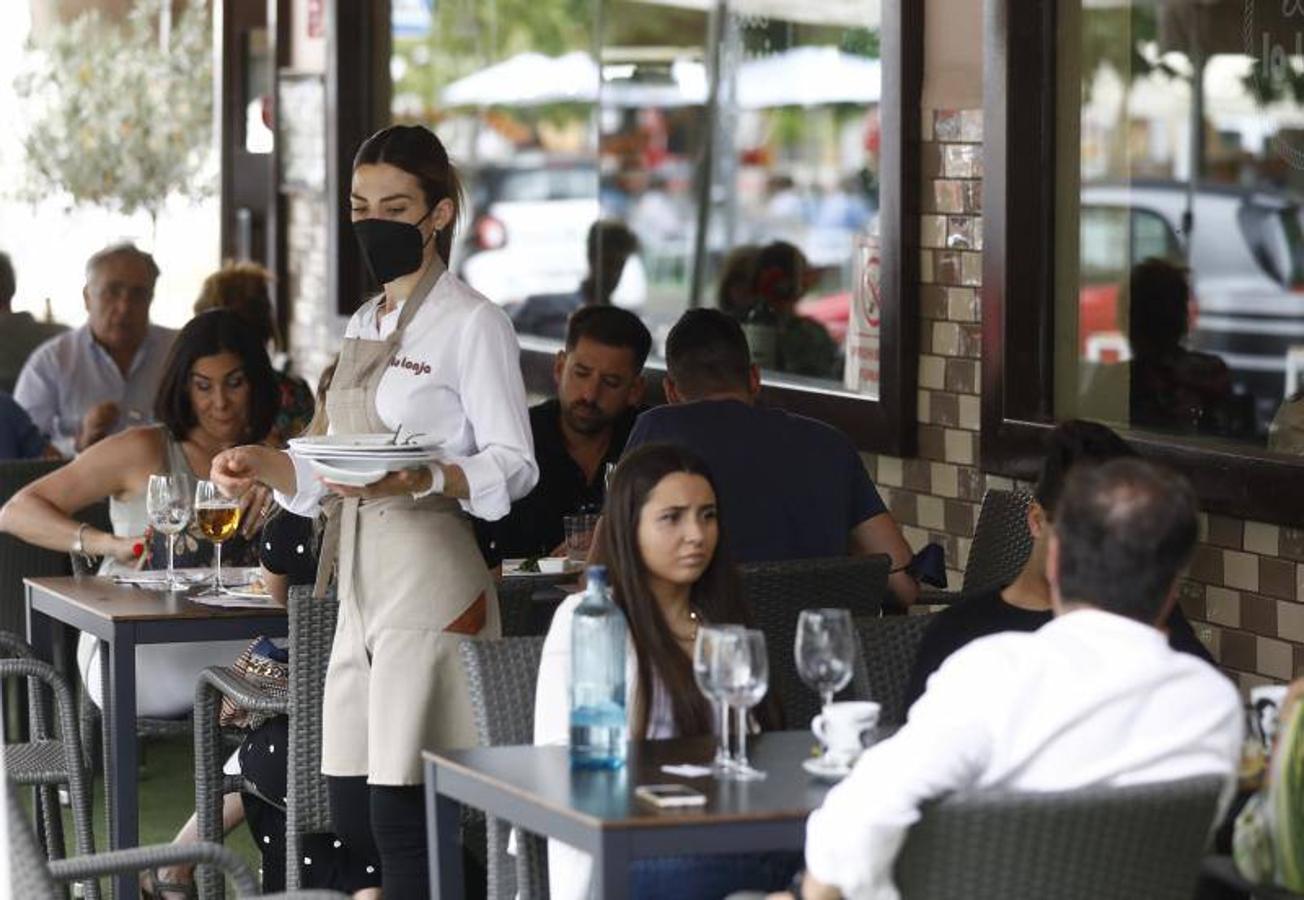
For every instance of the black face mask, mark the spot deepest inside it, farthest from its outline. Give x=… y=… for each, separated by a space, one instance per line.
x=392 y=249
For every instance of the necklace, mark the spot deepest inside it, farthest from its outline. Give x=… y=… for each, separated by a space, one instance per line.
x=697 y=623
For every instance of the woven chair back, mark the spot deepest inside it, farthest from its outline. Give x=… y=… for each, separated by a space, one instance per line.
x=779 y=591
x=1090 y=844
x=887 y=648
x=1001 y=540
x=312 y=631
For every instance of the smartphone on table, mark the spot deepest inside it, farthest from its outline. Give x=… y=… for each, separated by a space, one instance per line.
x=669 y=796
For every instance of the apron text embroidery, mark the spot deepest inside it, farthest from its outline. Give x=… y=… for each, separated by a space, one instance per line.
x=415 y=366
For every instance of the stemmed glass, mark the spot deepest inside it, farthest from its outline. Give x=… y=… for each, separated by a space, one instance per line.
x=742 y=670
x=168 y=501
x=704 y=649
x=825 y=650
x=218 y=517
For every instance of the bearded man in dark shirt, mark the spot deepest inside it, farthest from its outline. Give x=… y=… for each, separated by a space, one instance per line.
x=600 y=386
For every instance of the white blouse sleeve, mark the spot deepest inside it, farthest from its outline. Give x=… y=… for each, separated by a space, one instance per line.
x=308 y=489
x=552 y=695
x=493 y=397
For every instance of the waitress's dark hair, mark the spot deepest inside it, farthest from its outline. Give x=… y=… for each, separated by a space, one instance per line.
x=716 y=596
x=416 y=150
x=208 y=334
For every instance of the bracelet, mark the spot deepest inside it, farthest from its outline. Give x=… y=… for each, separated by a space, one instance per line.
x=79 y=545
x=436 y=483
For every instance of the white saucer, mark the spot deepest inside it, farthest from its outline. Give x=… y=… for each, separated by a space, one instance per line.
x=826 y=769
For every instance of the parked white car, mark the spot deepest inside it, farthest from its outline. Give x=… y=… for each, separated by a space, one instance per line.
x=1246 y=254
x=528 y=230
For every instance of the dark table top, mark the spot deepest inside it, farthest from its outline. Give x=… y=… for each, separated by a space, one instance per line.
x=605 y=799
x=107 y=600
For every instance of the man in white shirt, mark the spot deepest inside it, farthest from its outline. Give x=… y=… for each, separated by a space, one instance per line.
x=88 y=383
x=1095 y=697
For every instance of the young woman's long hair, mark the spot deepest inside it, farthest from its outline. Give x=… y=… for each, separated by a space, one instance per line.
x=716 y=597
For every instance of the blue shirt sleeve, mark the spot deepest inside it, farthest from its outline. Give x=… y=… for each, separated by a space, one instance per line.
x=639 y=434
x=863 y=496
x=22 y=439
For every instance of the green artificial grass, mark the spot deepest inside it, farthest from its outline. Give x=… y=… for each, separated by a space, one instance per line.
x=167 y=798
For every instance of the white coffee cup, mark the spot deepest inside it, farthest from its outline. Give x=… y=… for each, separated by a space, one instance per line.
x=1266 y=701
x=843 y=727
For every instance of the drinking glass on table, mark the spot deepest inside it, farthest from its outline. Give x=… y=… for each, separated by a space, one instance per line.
x=740 y=667
x=704 y=648
x=168 y=503
x=218 y=517
x=579 y=535
x=825 y=650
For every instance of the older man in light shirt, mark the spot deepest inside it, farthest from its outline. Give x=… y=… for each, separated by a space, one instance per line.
x=86 y=384
x=1095 y=697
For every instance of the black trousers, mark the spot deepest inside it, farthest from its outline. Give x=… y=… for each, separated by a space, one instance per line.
x=389 y=823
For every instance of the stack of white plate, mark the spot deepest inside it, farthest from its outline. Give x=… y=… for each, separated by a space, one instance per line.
x=358 y=459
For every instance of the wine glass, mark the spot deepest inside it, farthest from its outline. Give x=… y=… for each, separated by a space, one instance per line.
x=742 y=670
x=825 y=650
x=704 y=648
x=168 y=502
x=218 y=517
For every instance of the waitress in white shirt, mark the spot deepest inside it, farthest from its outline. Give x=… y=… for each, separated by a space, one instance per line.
x=436 y=358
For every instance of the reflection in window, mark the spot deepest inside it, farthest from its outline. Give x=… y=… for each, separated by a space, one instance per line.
x=699 y=160
x=1180 y=299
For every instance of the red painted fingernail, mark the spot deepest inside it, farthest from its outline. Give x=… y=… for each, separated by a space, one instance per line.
x=137 y=549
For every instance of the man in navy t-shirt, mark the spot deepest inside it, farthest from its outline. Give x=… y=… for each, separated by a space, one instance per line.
x=790 y=487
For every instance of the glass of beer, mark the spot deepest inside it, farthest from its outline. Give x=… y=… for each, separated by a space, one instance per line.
x=218 y=518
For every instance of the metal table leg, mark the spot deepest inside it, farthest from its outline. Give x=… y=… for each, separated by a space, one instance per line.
x=611 y=866
x=444 y=822
x=121 y=772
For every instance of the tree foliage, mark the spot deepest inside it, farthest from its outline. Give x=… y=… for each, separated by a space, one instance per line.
x=123 y=115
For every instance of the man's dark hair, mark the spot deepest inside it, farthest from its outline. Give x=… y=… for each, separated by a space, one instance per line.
x=612 y=326
x=706 y=351
x=1126 y=530
x=1073 y=442
x=208 y=334
x=8 y=283
x=1159 y=295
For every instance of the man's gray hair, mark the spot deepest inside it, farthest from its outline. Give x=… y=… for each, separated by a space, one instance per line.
x=123 y=248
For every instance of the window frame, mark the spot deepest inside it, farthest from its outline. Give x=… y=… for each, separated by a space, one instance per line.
x=886 y=424
x=1020 y=163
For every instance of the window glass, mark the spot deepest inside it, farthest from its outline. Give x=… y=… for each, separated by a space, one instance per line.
x=1180 y=256
x=510 y=86
x=682 y=156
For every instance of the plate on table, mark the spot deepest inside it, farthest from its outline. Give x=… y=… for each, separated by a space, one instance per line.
x=512 y=567
x=826 y=769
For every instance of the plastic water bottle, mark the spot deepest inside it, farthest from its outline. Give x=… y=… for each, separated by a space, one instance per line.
x=598 y=726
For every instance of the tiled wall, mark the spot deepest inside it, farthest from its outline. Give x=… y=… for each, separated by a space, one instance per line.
x=315 y=329
x=1245 y=590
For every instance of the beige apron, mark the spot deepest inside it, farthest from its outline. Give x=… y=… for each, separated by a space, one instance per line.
x=410 y=575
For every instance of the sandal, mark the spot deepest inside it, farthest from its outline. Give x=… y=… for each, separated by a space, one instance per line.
x=153 y=889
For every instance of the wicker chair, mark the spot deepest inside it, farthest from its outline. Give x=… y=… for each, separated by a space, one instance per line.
x=1001 y=545
x=33 y=879
x=502 y=676
x=886 y=652
x=45 y=761
x=1092 y=844
x=19 y=559
x=523 y=613
x=778 y=591
x=307 y=807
